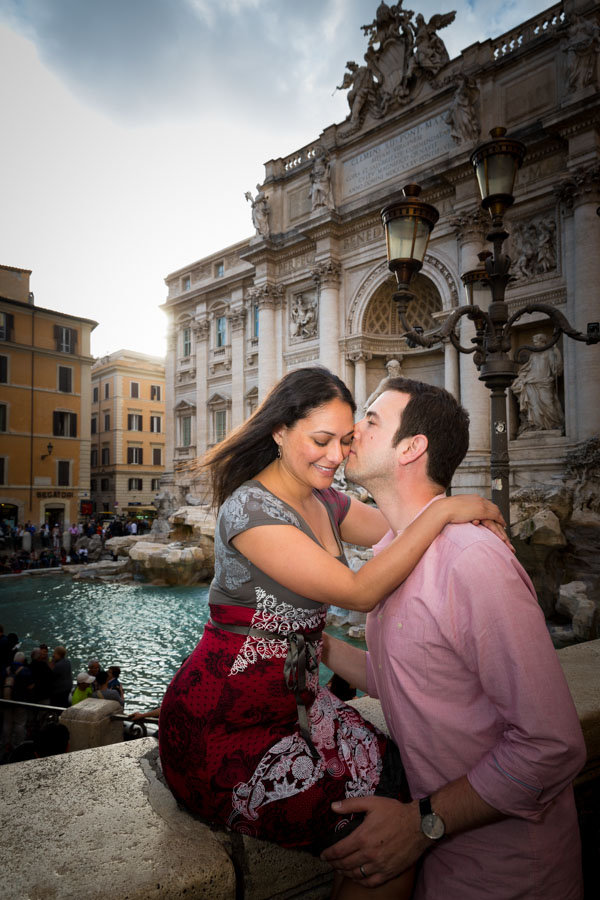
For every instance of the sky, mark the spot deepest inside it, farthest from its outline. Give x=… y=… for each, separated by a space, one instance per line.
x=131 y=130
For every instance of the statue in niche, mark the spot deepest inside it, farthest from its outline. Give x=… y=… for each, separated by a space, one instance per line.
x=546 y=245
x=321 y=193
x=582 y=47
x=536 y=389
x=461 y=116
x=394 y=370
x=260 y=211
x=303 y=316
x=430 y=51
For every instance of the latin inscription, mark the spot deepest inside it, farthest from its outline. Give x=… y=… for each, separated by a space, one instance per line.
x=399 y=154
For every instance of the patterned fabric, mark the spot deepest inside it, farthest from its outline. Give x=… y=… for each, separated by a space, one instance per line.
x=231 y=745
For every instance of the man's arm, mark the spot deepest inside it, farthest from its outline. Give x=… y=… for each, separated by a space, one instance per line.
x=346 y=661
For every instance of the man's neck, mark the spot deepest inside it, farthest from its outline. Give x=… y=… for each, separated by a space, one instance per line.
x=402 y=505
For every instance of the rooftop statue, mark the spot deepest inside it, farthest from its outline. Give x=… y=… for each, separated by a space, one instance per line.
x=260 y=211
x=399 y=54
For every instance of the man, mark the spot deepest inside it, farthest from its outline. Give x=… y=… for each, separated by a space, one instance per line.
x=470 y=686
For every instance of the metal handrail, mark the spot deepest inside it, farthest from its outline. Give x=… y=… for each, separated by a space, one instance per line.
x=118 y=717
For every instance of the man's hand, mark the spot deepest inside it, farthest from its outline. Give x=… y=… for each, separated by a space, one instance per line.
x=387 y=843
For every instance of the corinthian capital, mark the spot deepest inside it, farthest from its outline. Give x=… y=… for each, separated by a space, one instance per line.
x=582 y=186
x=201 y=329
x=327 y=272
x=267 y=296
x=471 y=224
x=237 y=319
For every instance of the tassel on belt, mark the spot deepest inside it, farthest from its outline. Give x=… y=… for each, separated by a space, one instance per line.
x=301 y=658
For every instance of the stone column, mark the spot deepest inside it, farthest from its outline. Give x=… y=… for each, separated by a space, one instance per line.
x=452 y=369
x=268 y=299
x=360 y=359
x=236 y=323
x=170 y=363
x=326 y=276
x=581 y=196
x=201 y=332
x=471 y=226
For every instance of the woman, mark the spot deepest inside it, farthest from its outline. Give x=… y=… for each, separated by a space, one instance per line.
x=247 y=736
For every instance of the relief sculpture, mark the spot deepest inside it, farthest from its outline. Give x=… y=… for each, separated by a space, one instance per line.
x=303 y=316
x=534 y=248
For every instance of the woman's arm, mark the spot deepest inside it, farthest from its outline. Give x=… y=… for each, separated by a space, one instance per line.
x=294 y=560
x=363 y=525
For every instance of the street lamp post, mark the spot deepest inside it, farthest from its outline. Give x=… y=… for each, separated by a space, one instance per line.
x=408 y=223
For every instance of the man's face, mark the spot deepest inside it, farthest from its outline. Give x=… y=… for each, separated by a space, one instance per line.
x=372 y=456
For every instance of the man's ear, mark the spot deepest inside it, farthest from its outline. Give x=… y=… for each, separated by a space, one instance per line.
x=411 y=449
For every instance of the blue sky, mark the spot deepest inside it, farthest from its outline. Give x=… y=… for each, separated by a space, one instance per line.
x=132 y=129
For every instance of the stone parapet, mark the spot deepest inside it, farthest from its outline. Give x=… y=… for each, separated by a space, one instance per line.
x=90 y=724
x=122 y=833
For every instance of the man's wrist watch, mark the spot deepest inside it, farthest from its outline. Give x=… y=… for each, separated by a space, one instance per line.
x=432 y=825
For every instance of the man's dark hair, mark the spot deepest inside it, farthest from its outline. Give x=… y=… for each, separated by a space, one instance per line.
x=434 y=412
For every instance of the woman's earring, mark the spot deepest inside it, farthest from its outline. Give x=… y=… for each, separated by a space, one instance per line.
x=278 y=451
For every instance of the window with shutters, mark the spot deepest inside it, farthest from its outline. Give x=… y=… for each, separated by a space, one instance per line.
x=95 y=395
x=7 y=324
x=134 y=422
x=135 y=456
x=93 y=484
x=156 y=456
x=134 y=484
x=94 y=425
x=104 y=484
x=155 y=484
x=155 y=392
x=64 y=473
x=134 y=389
x=106 y=391
x=64 y=424
x=156 y=424
x=3 y=416
x=107 y=421
x=3 y=369
x=105 y=456
x=65 y=379
x=66 y=339
x=2 y=470
x=94 y=458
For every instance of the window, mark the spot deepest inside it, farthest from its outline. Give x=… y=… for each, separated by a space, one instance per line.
x=219 y=269
x=105 y=456
x=255 y=320
x=65 y=379
x=135 y=456
x=93 y=485
x=134 y=422
x=156 y=424
x=3 y=369
x=7 y=323
x=95 y=395
x=134 y=389
x=134 y=484
x=106 y=391
x=155 y=484
x=221 y=331
x=64 y=424
x=107 y=421
x=94 y=425
x=186 y=282
x=94 y=458
x=66 y=339
x=156 y=456
x=3 y=416
x=64 y=473
x=3 y=470
x=155 y=392
x=104 y=484
x=220 y=424
x=186 y=342
x=186 y=431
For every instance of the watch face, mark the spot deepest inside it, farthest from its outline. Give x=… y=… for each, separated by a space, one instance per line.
x=432 y=826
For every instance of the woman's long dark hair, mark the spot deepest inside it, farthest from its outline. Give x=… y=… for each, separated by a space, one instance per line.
x=250 y=448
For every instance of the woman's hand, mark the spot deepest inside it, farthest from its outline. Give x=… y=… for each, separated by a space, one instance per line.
x=473 y=508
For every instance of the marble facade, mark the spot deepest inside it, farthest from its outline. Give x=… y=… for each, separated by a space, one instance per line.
x=312 y=285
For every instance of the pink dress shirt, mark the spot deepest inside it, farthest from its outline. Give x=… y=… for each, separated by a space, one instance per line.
x=469 y=682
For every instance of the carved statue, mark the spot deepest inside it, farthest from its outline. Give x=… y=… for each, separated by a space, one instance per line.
x=303 y=316
x=536 y=390
x=394 y=370
x=360 y=80
x=430 y=51
x=461 y=117
x=534 y=248
x=546 y=251
x=582 y=49
x=260 y=211
x=321 y=193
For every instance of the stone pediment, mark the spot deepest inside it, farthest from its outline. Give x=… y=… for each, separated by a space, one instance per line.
x=185 y=406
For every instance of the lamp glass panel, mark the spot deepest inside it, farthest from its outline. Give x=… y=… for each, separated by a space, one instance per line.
x=496 y=175
x=407 y=238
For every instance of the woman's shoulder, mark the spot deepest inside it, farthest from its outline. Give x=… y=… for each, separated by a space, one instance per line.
x=253 y=502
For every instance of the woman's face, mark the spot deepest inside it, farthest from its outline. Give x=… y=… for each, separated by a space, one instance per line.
x=313 y=448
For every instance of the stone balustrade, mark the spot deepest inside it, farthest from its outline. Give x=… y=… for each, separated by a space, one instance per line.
x=102 y=823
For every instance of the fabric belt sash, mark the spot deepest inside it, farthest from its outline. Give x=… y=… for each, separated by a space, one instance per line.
x=301 y=658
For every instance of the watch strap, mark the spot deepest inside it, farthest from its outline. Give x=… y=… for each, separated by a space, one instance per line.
x=425 y=806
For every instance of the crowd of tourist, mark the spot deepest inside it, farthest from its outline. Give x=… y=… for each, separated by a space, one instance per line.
x=46 y=680
x=45 y=549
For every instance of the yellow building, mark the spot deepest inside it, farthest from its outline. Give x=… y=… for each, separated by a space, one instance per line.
x=45 y=366
x=128 y=432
